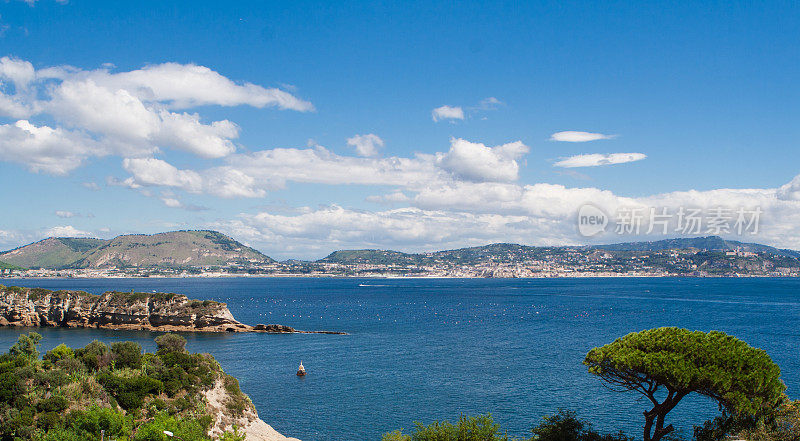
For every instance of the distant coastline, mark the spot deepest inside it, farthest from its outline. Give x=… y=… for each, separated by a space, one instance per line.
x=207 y=254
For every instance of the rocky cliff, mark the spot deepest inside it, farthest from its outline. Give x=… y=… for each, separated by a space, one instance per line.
x=114 y=310
x=123 y=310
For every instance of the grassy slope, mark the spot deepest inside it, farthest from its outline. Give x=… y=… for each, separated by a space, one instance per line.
x=50 y=253
x=177 y=248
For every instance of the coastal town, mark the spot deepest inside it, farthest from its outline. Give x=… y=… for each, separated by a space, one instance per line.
x=514 y=262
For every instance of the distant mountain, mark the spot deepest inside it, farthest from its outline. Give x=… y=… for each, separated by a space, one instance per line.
x=52 y=253
x=354 y=257
x=497 y=252
x=709 y=243
x=513 y=253
x=172 y=249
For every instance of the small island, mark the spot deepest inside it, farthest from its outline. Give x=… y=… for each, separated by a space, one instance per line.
x=134 y=311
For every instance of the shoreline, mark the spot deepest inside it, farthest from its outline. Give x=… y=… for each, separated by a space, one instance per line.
x=392 y=277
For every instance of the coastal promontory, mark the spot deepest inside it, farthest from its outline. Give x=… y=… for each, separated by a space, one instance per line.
x=31 y=307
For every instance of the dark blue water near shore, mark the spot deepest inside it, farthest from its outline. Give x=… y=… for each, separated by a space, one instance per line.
x=431 y=349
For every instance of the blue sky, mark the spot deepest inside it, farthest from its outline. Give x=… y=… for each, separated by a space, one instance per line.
x=703 y=91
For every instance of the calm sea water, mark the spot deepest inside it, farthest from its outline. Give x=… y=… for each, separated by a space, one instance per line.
x=420 y=350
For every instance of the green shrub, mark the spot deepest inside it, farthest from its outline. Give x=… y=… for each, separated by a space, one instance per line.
x=59 y=352
x=26 y=346
x=565 y=426
x=170 y=343
x=90 y=422
x=185 y=429
x=53 y=404
x=71 y=365
x=48 y=420
x=127 y=354
x=95 y=355
x=10 y=386
x=478 y=428
x=129 y=392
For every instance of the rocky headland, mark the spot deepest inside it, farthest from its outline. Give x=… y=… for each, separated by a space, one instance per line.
x=32 y=307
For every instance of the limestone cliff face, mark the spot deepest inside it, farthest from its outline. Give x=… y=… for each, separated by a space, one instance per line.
x=114 y=310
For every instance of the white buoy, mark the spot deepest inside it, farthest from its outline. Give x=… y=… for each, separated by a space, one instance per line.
x=301 y=371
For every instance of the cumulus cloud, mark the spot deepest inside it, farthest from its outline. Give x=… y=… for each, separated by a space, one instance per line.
x=254 y=174
x=366 y=145
x=131 y=114
x=477 y=162
x=447 y=112
x=152 y=172
x=65 y=231
x=469 y=213
x=324 y=229
x=597 y=159
x=572 y=136
x=45 y=149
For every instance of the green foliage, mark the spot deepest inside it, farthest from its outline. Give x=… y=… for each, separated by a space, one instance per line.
x=170 y=343
x=783 y=425
x=95 y=355
x=184 y=429
x=53 y=404
x=73 y=395
x=478 y=428
x=127 y=354
x=90 y=422
x=237 y=401
x=233 y=435
x=26 y=345
x=59 y=352
x=565 y=426
x=129 y=392
x=676 y=362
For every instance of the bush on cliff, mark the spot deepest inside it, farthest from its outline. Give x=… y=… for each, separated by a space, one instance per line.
x=74 y=395
x=170 y=343
x=127 y=354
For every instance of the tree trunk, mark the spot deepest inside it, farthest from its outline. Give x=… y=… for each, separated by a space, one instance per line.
x=657 y=414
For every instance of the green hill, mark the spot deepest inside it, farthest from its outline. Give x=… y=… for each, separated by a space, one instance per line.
x=52 y=253
x=171 y=249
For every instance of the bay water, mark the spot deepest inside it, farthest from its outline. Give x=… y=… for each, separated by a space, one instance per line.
x=427 y=349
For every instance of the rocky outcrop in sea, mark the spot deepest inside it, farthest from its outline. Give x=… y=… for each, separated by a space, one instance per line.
x=31 y=307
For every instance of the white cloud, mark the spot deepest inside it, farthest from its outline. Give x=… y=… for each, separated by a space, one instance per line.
x=319 y=231
x=100 y=112
x=597 y=159
x=466 y=214
x=182 y=86
x=44 y=149
x=366 y=145
x=65 y=231
x=477 y=162
x=790 y=191
x=152 y=172
x=447 y=112
x=66 y=214
x=252 y=175
x=572 y=136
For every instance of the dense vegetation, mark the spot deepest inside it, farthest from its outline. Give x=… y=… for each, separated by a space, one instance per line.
x=117 y=391
x=664 y=365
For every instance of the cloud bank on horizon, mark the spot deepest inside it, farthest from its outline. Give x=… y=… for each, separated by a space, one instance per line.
x=465 y=193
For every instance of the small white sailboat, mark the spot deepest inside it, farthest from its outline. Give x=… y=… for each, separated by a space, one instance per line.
x=301 y=371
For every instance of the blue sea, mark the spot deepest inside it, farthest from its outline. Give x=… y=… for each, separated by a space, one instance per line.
x=421 y=350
